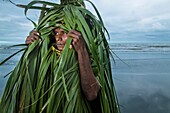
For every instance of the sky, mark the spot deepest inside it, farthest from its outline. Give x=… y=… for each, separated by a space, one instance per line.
x=126 y=20
x=135 y=15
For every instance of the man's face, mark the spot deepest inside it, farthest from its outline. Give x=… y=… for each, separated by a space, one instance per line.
x=61 y=38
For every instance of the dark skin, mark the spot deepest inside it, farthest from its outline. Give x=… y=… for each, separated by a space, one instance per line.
x=89 y=84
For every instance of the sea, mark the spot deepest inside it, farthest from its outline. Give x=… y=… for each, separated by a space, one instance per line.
x=141 y=74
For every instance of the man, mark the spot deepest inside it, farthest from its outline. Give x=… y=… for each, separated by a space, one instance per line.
x=89 y=84
x=46 y=80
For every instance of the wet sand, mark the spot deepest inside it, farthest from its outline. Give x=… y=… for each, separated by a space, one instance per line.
x=142 y=83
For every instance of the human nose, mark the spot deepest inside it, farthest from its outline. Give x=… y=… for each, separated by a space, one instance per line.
x=60 y=36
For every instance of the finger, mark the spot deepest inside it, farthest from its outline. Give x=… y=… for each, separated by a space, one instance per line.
x=36 y=37
x=75 y=40
x=35 y=33
x=75 y=32
x=30 y=38
x=28 y=42
x=74 y=36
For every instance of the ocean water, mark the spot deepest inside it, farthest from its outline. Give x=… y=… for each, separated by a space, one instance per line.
x=8 y=66
x=141 y=75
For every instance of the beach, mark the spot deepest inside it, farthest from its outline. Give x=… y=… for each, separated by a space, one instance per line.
x=141 y=78
x=141 y=74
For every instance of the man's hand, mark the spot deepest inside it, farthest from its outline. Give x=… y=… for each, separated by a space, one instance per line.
x=78 y=40
x=34 y=35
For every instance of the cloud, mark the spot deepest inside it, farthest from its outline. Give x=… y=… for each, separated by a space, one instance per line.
x=119 y=16
x=132 y=15
x=4 y=19
x=25 y=25
x=151 y=23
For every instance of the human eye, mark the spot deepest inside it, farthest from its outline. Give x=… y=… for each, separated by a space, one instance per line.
x=56 y=33
x=63 y=32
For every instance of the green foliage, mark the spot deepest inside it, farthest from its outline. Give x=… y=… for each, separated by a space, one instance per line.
x=47 y=81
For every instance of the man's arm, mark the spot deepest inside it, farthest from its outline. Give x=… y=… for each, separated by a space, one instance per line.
x=89 y=84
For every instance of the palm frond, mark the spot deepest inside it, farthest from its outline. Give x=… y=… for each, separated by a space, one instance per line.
x=45 y=80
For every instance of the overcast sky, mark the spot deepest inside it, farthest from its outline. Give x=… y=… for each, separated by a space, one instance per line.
x=135 y=15
x=120 y=16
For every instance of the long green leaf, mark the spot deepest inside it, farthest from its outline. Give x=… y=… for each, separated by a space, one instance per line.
x=11 y=56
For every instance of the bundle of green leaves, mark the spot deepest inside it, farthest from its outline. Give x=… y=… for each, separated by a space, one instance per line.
x=47 y=81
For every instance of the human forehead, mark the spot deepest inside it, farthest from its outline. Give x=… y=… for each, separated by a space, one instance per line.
x=58 y=29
